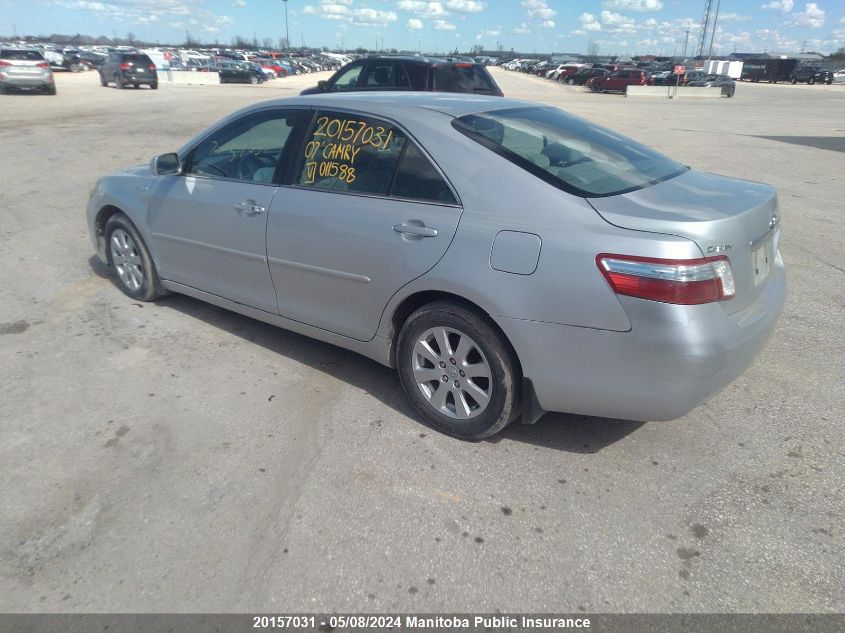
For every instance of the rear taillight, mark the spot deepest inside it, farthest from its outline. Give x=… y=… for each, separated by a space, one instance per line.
x=680 y=281
x=462 y=65
x=4 y=64
x=43 y=65
x=126 y=67
x=152 y=66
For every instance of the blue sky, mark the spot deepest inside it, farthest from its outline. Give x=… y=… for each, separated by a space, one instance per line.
x=615 y=26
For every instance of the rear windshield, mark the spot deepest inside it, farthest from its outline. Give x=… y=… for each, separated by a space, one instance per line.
x=136 y=59
x=21 y=56
x=567 y=152
x=462 y=77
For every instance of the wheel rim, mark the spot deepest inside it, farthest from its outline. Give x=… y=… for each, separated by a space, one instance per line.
x=126 y=259
x=449 y=353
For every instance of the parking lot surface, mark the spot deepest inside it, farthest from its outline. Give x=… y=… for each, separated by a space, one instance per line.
x=178 y=457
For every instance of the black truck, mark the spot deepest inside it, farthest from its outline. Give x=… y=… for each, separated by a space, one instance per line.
x=771 y=70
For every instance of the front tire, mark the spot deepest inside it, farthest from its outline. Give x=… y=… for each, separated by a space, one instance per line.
x=481 y=393
x=103 y=81
x=129 y=257
x=253 y=79
x=571 y=82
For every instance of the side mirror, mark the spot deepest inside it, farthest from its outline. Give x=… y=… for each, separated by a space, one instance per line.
x=323 y=85
x=166 y=164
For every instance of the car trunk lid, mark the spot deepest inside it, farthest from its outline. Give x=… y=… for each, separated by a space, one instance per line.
x=723 y=216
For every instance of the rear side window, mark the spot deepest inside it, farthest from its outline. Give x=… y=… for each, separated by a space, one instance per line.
x=418 y=179
x=417 y=75
x=462 y=77
x=21 y=56
x=346 y=152
x=570 y=153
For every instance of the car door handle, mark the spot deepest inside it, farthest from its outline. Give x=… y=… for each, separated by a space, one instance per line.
x=249 y=209
x=415 y=229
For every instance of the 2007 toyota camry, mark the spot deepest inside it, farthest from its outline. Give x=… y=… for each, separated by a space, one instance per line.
x=505 y=257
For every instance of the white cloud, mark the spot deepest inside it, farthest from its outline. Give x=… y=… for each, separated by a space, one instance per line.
x=781 y=6
x=443 y=25
x=547 y=24
x=617 y=23
x=466 y=6
x=239 y=3
x=538 y=9
x=522 y=29
x=373 y=17
x=414 y=23
x=812 y=16
x=648 y=43
x=589 y=22
x=733 y=17
x=633 y=5
x=428 y=9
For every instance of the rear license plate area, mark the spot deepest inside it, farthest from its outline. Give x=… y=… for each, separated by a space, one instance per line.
x=761 y=260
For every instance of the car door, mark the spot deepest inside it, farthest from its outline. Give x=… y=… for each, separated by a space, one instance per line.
x=352 y=229
x=209 y=223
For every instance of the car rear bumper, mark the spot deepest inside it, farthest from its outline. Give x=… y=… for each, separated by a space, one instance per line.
x=132 y=78
x=27 y=81
x=673 y=359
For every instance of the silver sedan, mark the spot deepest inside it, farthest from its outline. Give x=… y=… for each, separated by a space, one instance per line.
x=505 y=257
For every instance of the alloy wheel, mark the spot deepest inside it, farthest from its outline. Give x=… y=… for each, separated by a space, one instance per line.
x=452 y=373
x=126 y=259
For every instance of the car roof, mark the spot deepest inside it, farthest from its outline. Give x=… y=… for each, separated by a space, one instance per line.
x=414 y=59
x=397 y=104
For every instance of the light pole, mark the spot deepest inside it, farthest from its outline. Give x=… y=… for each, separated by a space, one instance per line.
x=287 y=33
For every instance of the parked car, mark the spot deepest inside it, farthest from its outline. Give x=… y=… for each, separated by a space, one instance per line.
x=724 y=82
x=128 y=69
x=812 y=75
x=631 y=287
x=839 y=77
x=240 y=73
x=25 y=69
x=584 y=75
x=566 y=71
x=409 y=73
x=618 y=80
x=272 y=64
x=667 y=78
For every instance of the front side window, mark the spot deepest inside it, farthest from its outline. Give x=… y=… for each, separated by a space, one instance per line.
x=348 y=79
x=379 y=76
x=348 y=152
x=248 y=149
x=568 y=152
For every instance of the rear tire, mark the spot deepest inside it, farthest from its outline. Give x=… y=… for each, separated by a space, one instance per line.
x=482 y=393
x=130 y=259
x=794 y=81
x=811 y=80
x=154 y=86
x=571 y=82
x=253 y=79
x=51 y=90
x=103 y=81
x=118 y=83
